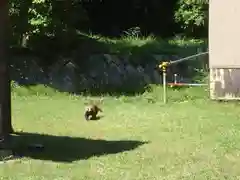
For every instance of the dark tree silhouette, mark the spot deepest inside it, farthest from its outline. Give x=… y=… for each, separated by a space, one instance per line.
x=5 y=96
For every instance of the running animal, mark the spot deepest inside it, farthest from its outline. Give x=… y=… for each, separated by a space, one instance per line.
x=92 y=110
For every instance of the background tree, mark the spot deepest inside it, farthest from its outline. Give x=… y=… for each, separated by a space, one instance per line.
x=5 y=97
x=193 y=16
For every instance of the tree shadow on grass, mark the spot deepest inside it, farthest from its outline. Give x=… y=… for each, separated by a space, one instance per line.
x=67 y=149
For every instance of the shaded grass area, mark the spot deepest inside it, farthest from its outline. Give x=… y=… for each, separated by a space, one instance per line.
x=67 y=149
x=152 y=93
x=189 y=138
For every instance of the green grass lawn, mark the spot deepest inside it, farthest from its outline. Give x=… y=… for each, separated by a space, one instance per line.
x=135 y=139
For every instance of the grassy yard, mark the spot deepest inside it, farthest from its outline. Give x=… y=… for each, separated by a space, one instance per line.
x=138 y=138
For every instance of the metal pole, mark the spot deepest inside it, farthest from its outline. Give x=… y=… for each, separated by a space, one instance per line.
x=175 y=78
x=163 y=66
x=164 y=87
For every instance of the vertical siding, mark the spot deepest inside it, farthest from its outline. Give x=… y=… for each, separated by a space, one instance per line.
x=225 y=83
x=224 y=49
x=224 y=33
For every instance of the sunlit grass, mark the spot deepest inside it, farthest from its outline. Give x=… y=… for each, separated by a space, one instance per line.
x=189 y=138
x=151 y=44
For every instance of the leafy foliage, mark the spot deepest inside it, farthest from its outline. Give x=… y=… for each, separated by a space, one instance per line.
x=50 y=28
x=191 y=13
x=55 y=18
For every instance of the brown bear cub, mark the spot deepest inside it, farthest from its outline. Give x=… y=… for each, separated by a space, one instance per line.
x=91 y=111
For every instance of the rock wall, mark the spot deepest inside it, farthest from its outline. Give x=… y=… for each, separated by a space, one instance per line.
x=103 y=72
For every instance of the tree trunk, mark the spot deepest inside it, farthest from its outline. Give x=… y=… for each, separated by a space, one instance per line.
x=5 y=94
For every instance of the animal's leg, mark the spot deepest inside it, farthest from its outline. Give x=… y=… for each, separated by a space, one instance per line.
x=86 y=115
x=94 y=117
